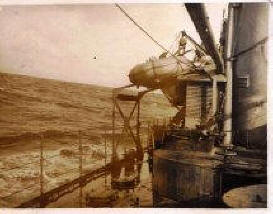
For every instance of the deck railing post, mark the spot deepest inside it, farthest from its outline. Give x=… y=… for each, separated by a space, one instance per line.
x=80 y=170
x=41 y=170
x=113 y=128
x=105 y=160
x=148 y=135
x=247 y=143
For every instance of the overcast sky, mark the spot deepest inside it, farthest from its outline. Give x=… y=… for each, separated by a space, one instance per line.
x=60 y=42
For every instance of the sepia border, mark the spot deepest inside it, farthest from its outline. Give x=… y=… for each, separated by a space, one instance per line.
x=168 y=210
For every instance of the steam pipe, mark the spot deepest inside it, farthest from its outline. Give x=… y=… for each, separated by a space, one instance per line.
x=228 y=71
x=214 y=96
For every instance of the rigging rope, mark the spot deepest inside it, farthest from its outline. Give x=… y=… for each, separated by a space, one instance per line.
x=177 y=35
x=147 y=34
x=261 y=42
x=141 y=28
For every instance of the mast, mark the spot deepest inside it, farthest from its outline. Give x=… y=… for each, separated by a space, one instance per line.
x=200 y=19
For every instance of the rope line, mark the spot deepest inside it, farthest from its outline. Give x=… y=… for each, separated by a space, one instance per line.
x=247 y=49
x=174 y=42
x=141 y=28
x=147 y=34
